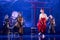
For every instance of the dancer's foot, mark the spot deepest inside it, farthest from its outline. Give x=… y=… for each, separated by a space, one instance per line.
x=39 y=33
x=43 y=36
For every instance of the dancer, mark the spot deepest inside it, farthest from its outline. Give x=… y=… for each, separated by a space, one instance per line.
x=19 y=23
x=52 y=24
x=42 y=22
x=6 y=24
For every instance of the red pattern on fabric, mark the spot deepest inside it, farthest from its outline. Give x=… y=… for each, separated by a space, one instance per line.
x=42 y=25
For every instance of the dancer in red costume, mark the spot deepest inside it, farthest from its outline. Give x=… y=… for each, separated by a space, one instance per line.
x=42 y=22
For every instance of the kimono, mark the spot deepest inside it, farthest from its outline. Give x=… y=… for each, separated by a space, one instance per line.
x=42 y=23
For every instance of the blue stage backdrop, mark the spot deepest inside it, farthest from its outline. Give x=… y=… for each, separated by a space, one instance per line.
x=30 y=10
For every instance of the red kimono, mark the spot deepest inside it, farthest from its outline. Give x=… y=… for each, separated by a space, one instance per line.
x=42 y=25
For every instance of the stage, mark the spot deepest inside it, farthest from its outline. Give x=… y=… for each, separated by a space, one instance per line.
x=29 y=11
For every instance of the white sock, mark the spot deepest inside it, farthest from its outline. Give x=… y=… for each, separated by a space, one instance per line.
x=39 y=33
x=43 y=36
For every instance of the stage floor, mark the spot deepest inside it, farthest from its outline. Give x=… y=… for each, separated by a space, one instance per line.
x=29 y=37
x=29 y=34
